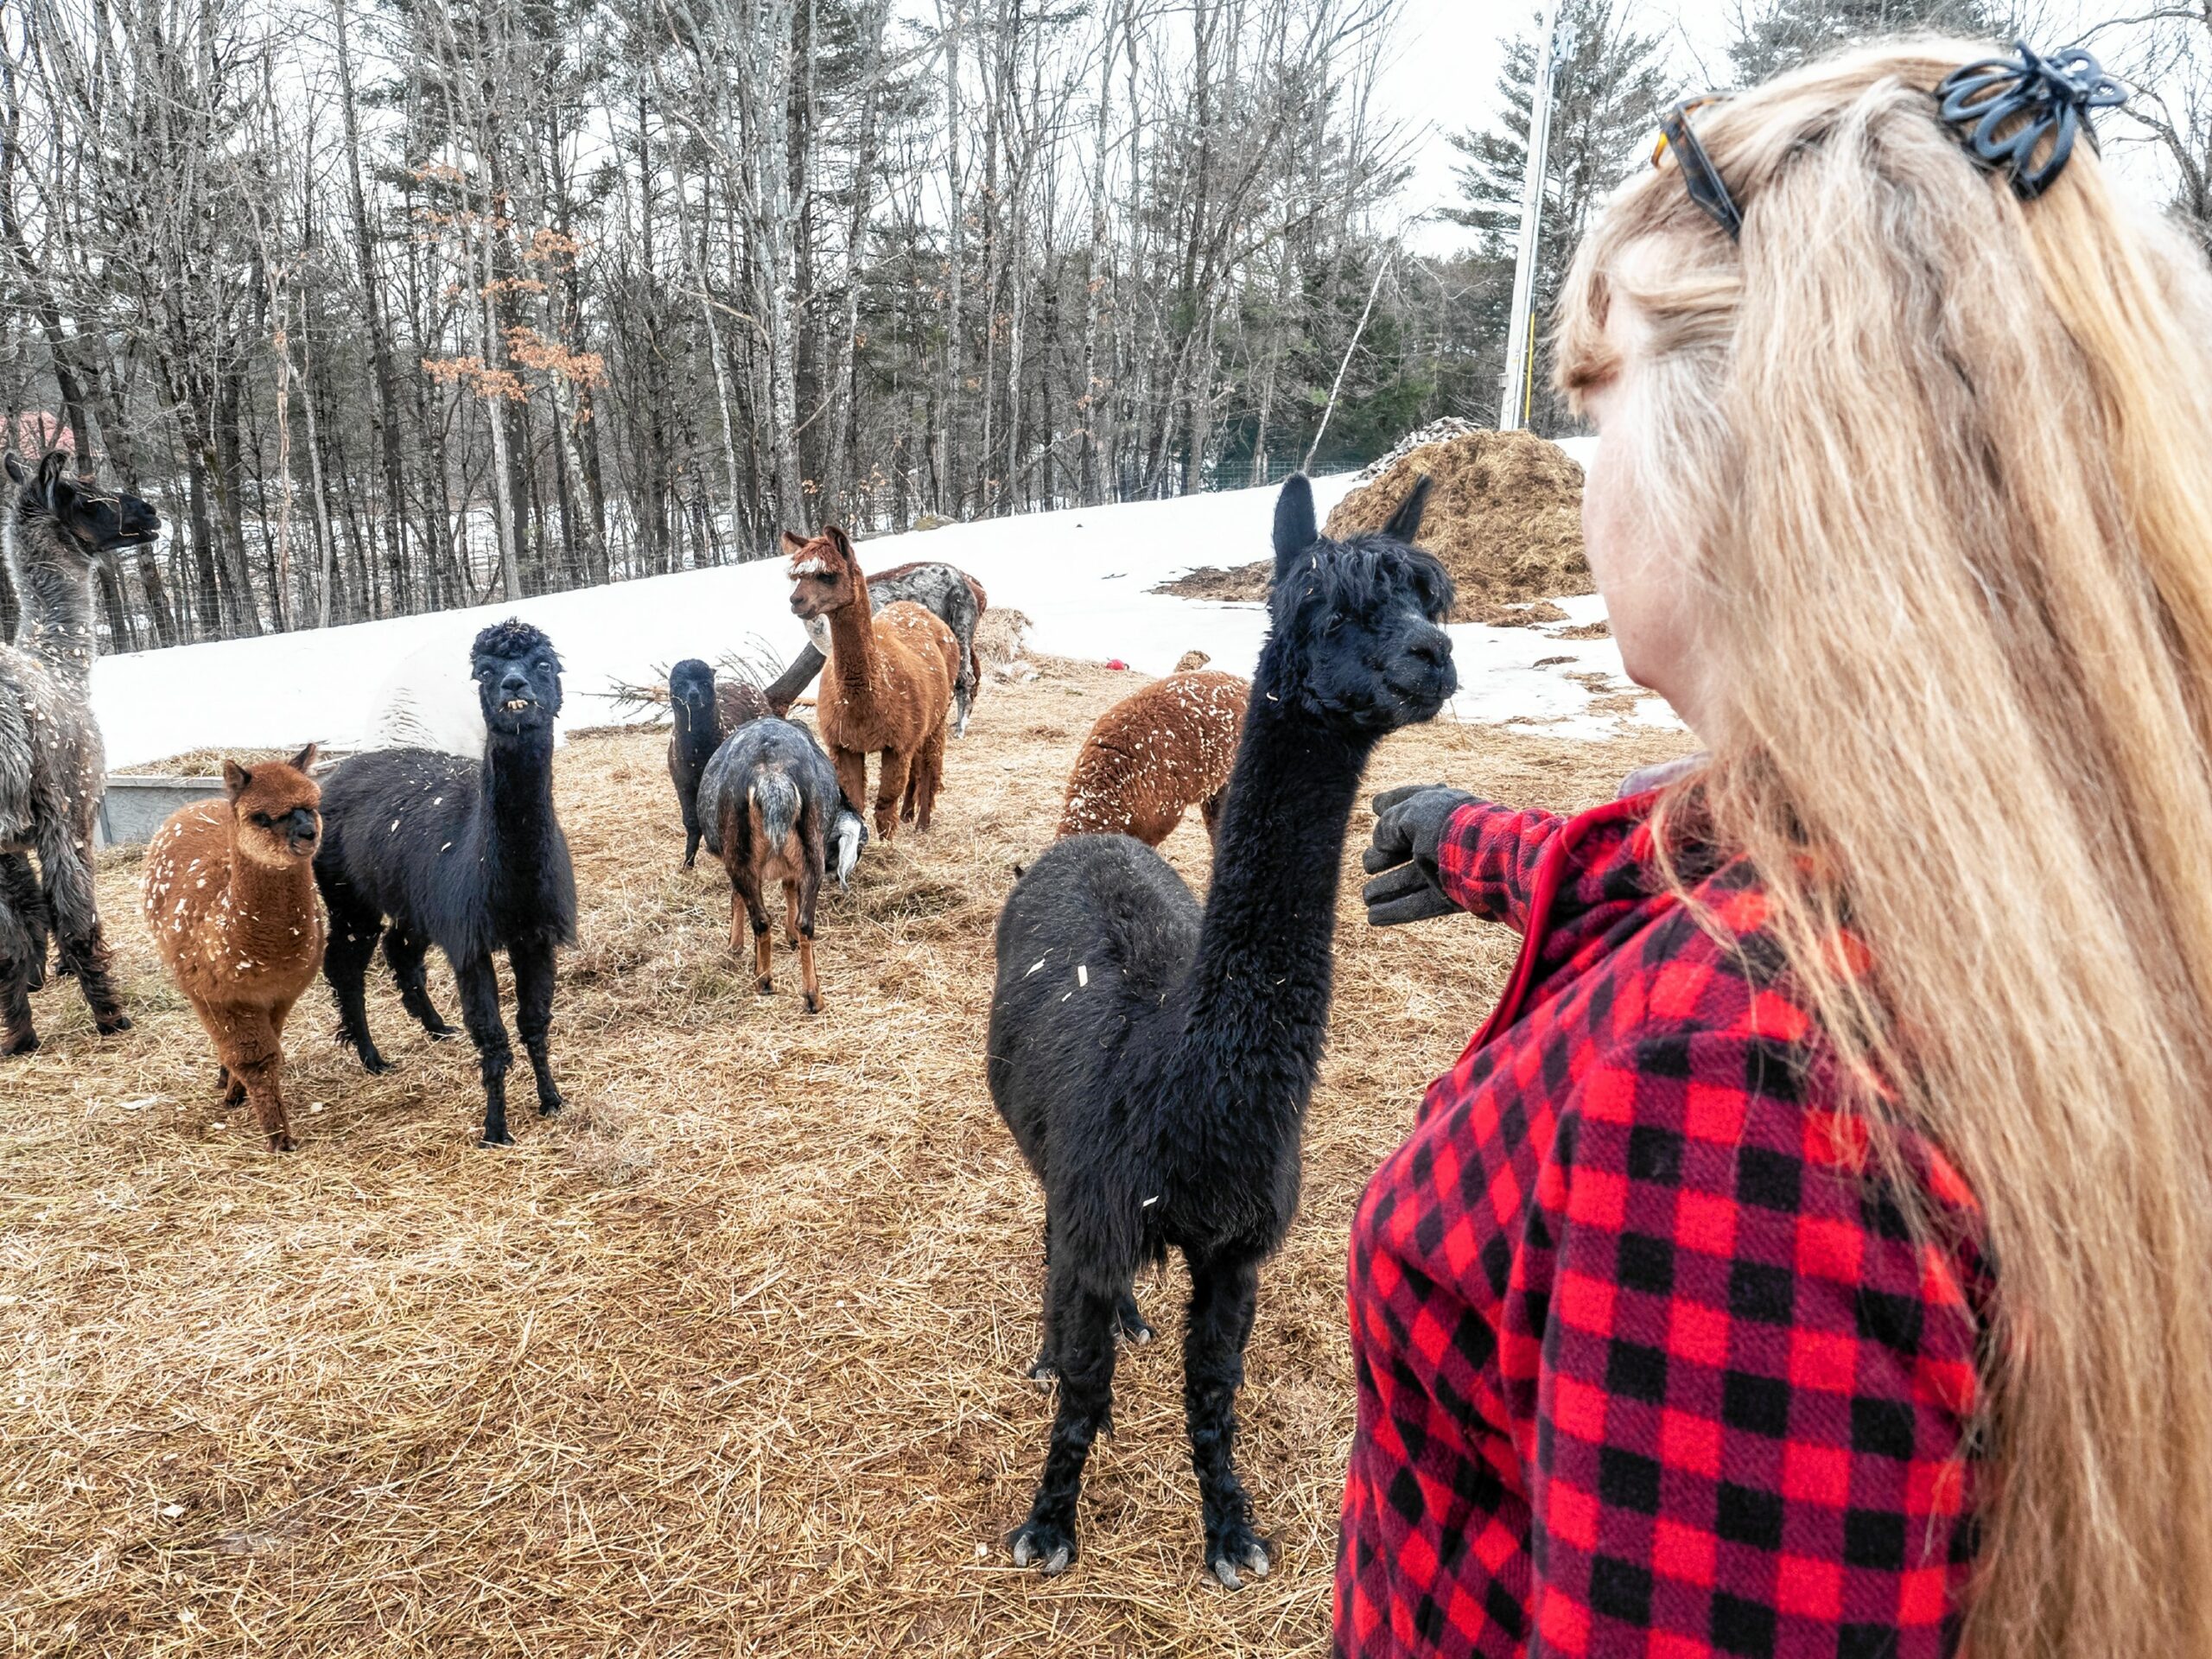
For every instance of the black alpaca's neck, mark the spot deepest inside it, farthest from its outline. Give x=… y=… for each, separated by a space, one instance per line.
x=56 y=626
x=1257 y=998
x=698 y=734
x=518 y=799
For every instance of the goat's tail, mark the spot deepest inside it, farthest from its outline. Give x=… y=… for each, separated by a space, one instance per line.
x=775 y=796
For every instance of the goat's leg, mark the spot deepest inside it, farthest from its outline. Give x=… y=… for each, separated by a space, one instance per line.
x=533 y=961
x=890 y=784
x=692 y=835
x=68 y=881
x=403 y=954
x=20 y=892
x=1223 y=1292
x=479 y=1011
x=256 y=1060
x=1081 y=1324
x=799 y=914
x=346 y=955
x=745 y=889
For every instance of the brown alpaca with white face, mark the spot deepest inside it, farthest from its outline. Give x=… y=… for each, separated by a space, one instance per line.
x=230 y=899
x=888 y=686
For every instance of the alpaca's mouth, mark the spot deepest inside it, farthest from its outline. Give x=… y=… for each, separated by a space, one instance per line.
x=515 y=705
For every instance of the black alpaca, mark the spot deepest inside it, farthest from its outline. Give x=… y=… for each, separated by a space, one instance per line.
x=707 y=710
x=464 y=855
x=1154 y=1063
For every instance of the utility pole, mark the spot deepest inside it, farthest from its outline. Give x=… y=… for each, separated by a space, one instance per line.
x=1513 y=393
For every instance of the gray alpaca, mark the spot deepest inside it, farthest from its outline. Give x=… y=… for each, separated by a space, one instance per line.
x=947 y=591
x=52 y=765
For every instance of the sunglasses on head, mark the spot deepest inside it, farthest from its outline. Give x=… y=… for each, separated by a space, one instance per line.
x=1699 y=177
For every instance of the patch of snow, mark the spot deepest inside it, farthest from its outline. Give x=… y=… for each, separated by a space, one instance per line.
x=1082 y=575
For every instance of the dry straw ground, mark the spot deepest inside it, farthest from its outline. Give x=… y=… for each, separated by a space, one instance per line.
x=729 y=1358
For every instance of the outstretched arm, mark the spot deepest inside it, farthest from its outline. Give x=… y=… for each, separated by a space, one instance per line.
x=1437 y=850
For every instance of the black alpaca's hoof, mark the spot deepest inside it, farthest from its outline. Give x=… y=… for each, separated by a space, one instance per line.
x=1044 y=1373
x=1235 y=1551
x=374 y=1064
x=548 y=1106
x=1040 y=1543
x=441 y=1034
x=502 y=1138
x=1134 y=1329
x=26 y=1044
x=113 y=1023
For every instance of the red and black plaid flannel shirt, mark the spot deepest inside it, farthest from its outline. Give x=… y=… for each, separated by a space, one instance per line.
x=1646 y=1363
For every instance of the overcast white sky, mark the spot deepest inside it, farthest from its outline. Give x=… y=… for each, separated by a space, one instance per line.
x=1442 y=78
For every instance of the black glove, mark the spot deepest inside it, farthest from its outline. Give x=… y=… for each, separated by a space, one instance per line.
x=1409 y=822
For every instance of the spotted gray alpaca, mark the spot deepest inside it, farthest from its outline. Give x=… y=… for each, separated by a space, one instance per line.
x=52 y=765
x=942 y=589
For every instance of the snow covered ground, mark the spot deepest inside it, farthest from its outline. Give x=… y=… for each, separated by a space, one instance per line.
x=1082 y=576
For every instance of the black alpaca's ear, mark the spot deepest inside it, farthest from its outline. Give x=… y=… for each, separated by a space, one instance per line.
x=305 y=758
x=17 y=470
x=54 y=481
x=1295 y=529
x=1405 y=523
x=794 y=543
x=235 y=779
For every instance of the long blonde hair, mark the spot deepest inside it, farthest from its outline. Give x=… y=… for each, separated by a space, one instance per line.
x=1940 y=457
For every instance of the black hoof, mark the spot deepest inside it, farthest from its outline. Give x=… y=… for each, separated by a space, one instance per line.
x=1134 y=1329
x=375 y=1064
x=441 y=1034
x=282 y=1143
x=1237 y=1551
x=547 y=1108
x=1044 y=1373
x=765 y=986
x=112 y=1023
x=1041 y=1543
x=26 y=1044
x=500 y=1139
x=813 y=1004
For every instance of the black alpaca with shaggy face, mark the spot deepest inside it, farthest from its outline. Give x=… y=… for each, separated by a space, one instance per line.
x=698 y=733
x=428 y=849
x=1155 y=1062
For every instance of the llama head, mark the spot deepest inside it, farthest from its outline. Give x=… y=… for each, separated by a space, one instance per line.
x=518 y=678
x=66 y=519
x=691 y=694
x=825 y=574
x=1356 y=634
x=276 y=809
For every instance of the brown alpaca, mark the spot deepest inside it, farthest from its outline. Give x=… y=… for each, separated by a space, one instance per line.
x=1154 y=754
x=888 y=687
x=230 y=899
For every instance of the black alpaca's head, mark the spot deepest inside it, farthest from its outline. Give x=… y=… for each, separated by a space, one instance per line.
x=1357 y=632
x=518 y=678
x=93 y=523
x=691 y=694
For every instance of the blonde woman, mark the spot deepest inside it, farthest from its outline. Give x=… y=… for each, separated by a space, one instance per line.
x=1813 y=1254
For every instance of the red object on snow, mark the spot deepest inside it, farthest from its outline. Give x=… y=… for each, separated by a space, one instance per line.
x=1116 y=662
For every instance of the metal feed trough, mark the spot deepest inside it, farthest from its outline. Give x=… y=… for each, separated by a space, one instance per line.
x=136 y=805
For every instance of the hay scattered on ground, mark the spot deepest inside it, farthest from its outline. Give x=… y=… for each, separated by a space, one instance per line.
x=1600 y=629
x=1505 y=515
x=726 y=1359
x=999 y=638
x=1537 y=614
x=1227 y=583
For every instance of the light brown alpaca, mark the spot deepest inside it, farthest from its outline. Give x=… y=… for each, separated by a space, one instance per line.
x=1154 y=754
x=888 y=687
x=230 y=899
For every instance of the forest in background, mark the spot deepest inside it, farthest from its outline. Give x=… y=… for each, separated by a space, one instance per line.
x=400 y=305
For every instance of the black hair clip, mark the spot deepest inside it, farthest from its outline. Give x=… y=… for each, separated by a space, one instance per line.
x=2048 y=96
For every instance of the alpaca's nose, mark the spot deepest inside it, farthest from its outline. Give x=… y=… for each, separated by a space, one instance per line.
x=1432 y=646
